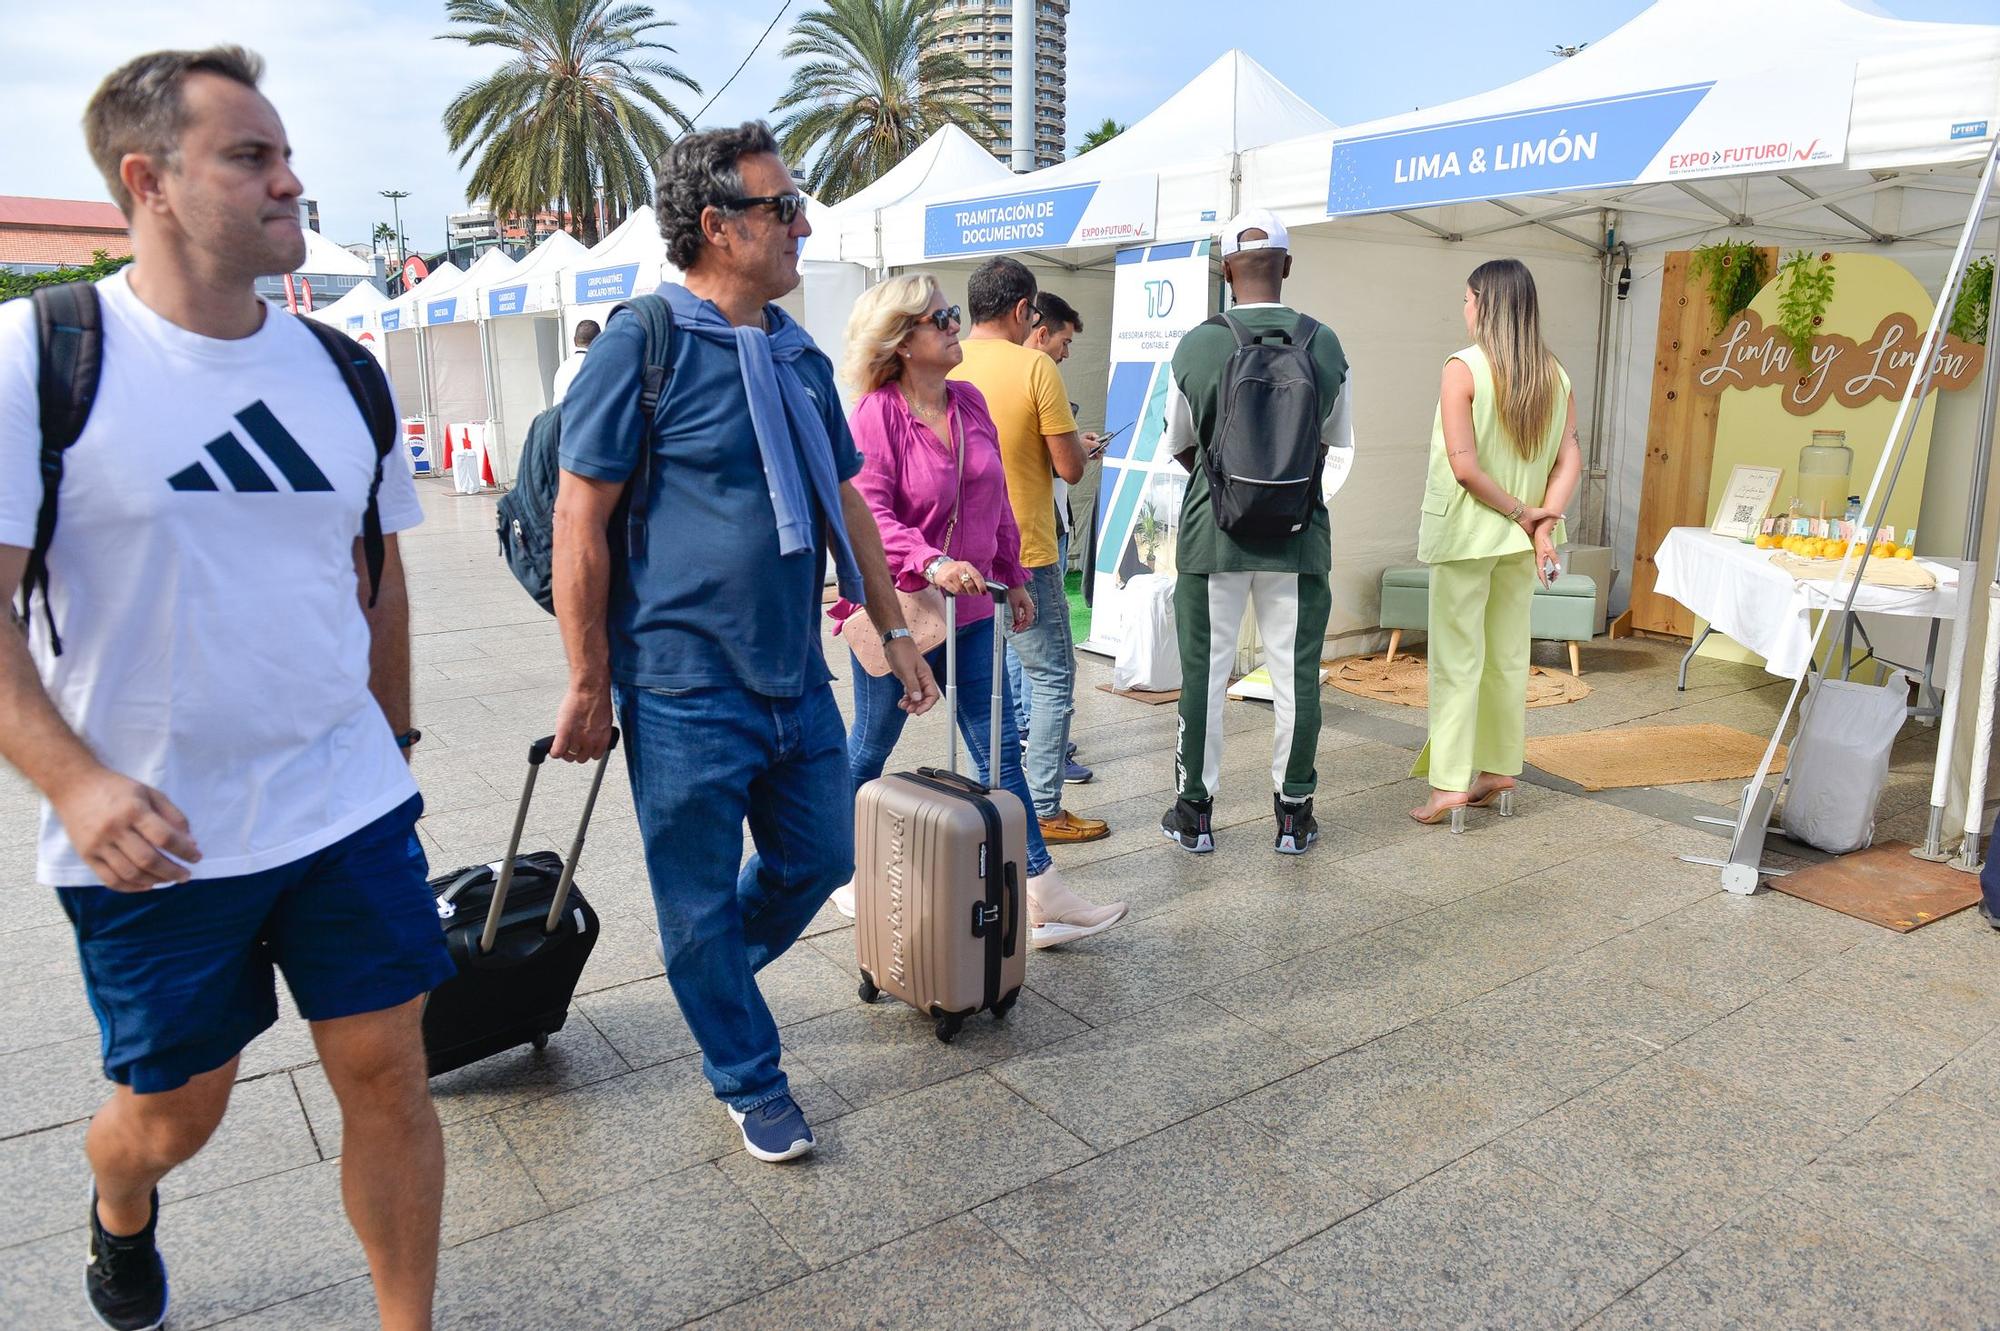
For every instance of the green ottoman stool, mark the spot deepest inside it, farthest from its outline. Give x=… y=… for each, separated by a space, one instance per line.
x=1564 y=611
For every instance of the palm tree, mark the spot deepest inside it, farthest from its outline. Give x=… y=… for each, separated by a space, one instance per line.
x=574 y=116
x=875 y=84
x=1100 y=136
x=384 y=236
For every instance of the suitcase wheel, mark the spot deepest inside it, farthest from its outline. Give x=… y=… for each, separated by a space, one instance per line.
x=1005 y=1005
x=867 y=990
x=948 y=1027
x=541 y=1041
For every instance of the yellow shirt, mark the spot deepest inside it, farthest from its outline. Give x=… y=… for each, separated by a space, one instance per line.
x=1457 y=526
x=1025 y=394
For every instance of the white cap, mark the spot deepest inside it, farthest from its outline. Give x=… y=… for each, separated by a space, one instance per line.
x=1255 y=219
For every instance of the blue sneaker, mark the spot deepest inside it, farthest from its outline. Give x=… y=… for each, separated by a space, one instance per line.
x=1075 y=773
x=775 y=1131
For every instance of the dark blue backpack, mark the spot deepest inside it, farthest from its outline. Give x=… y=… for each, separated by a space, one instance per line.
x=528 y=511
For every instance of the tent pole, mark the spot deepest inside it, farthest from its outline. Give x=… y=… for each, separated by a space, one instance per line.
x=1975 y=522
x=1593 y=470
x=1743 y=871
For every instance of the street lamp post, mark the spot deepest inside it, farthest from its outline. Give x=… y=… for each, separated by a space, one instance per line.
x=395 y=198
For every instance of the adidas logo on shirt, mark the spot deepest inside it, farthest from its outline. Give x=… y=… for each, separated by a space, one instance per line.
x=242 y=471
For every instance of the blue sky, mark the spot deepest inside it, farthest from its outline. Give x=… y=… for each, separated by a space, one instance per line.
x=362 y=83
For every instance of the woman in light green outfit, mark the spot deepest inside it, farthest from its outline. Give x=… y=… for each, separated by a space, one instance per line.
x=1504 y=463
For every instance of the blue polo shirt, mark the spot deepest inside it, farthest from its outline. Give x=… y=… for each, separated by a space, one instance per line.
x=710 y=602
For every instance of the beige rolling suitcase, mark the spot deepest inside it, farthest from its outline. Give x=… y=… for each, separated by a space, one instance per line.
x=940 y=878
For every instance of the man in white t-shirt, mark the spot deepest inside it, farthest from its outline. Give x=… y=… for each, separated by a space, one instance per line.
x=586 y=333
x=208 y=696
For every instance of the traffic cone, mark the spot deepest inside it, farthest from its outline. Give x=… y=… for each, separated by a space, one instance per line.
x=486 y=468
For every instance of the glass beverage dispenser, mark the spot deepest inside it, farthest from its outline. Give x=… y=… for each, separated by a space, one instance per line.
x=1826 y=466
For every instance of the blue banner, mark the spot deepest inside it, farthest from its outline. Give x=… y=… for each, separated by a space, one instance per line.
x=391 y=320
x=441 y=311
x=1005 y=221
x=1581 y=145
x=354 y=322
x=506 y=300
x=595 y=286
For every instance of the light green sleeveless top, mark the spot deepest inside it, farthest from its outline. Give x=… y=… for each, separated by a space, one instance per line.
x=1457 y=526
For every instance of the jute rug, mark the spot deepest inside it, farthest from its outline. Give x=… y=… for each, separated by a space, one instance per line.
x=1651 y=755
x=1884 y=885
x=1407 y=681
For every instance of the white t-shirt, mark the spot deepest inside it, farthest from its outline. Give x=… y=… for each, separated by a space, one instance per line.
x=203 y=582
x=565 y=375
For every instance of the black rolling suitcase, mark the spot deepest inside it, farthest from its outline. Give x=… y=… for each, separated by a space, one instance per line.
x=519 y=934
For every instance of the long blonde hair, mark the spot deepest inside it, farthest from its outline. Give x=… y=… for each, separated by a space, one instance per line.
x=881 y=319
x=1507 y=326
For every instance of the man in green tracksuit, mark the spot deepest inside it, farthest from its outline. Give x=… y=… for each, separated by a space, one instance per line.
x=1283 y=577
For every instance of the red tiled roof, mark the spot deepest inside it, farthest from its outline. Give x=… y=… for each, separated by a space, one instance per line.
x=16 y=210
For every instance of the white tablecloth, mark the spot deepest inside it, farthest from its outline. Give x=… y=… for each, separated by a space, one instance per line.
x=1736 y=588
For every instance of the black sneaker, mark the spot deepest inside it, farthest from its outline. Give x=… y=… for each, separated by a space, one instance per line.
x=1297 y=828
x=126 y=1280
x=1188 y=823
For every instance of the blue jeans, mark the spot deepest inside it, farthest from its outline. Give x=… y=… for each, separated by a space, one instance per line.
x=1017 y=679
x=702 y=762
x=878 y=724
x=1989 y=875
x=1048 y=659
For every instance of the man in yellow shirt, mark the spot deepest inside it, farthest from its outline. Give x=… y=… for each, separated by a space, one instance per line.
x=1038 y=440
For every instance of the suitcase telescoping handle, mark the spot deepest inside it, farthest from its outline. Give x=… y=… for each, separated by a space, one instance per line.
x=538 y=753
x=951 y=682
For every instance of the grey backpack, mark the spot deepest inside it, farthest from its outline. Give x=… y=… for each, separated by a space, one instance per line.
x=1265 y=457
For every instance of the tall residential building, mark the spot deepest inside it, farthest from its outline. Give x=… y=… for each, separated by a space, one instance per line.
x=1018 y=48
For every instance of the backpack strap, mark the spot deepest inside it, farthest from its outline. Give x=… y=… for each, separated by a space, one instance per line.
x=1237 y=329
x=70 y=331
x=369 y=388
x=656 y=319
x=1302 y=331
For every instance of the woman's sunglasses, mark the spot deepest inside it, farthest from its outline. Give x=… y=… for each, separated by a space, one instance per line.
x=943 y=319
x=787 y=206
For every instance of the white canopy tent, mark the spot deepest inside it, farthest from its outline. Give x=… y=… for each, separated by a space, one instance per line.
x=354 y=313
x=1816 y=122
x=456 y=379
x=405 y=348
x=843 y=254
x=521 y=315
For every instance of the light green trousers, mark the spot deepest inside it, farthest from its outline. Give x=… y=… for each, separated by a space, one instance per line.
x=1478 y=669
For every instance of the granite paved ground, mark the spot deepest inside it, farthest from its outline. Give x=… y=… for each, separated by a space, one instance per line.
x=1543 y=1074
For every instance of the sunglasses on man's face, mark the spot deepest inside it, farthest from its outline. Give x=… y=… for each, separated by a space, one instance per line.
x=943 y=319
x=787 y=206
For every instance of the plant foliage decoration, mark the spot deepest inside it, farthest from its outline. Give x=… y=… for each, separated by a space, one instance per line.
x=1805 y=289
x=101 y=265
x=1733 y=272
x=1972 y=313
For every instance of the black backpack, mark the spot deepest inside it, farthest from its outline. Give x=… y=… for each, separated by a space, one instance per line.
x=70 y=329
x=528 y=511
x=1264 y=458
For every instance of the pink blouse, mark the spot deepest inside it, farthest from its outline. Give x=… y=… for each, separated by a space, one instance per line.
x=909 y=477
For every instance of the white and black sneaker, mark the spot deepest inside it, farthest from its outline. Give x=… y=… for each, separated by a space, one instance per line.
x=126 y=1281
x=1297 y=828
x=1189 y=824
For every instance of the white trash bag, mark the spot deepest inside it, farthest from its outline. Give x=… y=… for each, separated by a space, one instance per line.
x=1149 y=650
x=465 y=469
x=1840 y=762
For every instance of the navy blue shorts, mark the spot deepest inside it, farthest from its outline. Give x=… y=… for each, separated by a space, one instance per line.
x=181 y=978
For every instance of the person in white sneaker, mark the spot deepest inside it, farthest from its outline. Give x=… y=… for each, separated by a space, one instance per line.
x=932 y=474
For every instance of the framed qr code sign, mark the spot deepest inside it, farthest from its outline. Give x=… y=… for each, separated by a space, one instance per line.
x=1746 y=500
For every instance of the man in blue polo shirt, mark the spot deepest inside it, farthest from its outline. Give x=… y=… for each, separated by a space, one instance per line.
x=705 y=643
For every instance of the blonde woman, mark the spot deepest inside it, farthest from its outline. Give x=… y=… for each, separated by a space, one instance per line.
x=931 y=472
x=1504 y=463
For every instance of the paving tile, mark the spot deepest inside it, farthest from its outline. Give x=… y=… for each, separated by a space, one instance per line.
x=1254 y=1299
x=51 y=1084
x=1286 y=915
x=1141 y=964
x=576 y=1056
x=1784 y=1264
x=610 y=1134
x=884 y=1171
x=486 y=1187
x=1923 y=1175
x=1343 y=995
x=42 y=946
x=956 y=1273
x=1814 y=1054
x=1392 y=1111
x=653 y=1255
x=1673 y=1150
x=1973 y=1078
x=1481 y=1243
x=1147 y=1227
x=348 y=1306
x=1148 y=1070
x=1941 y=977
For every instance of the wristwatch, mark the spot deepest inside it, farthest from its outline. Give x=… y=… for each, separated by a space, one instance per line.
x=408 y=739
x=894 y=634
